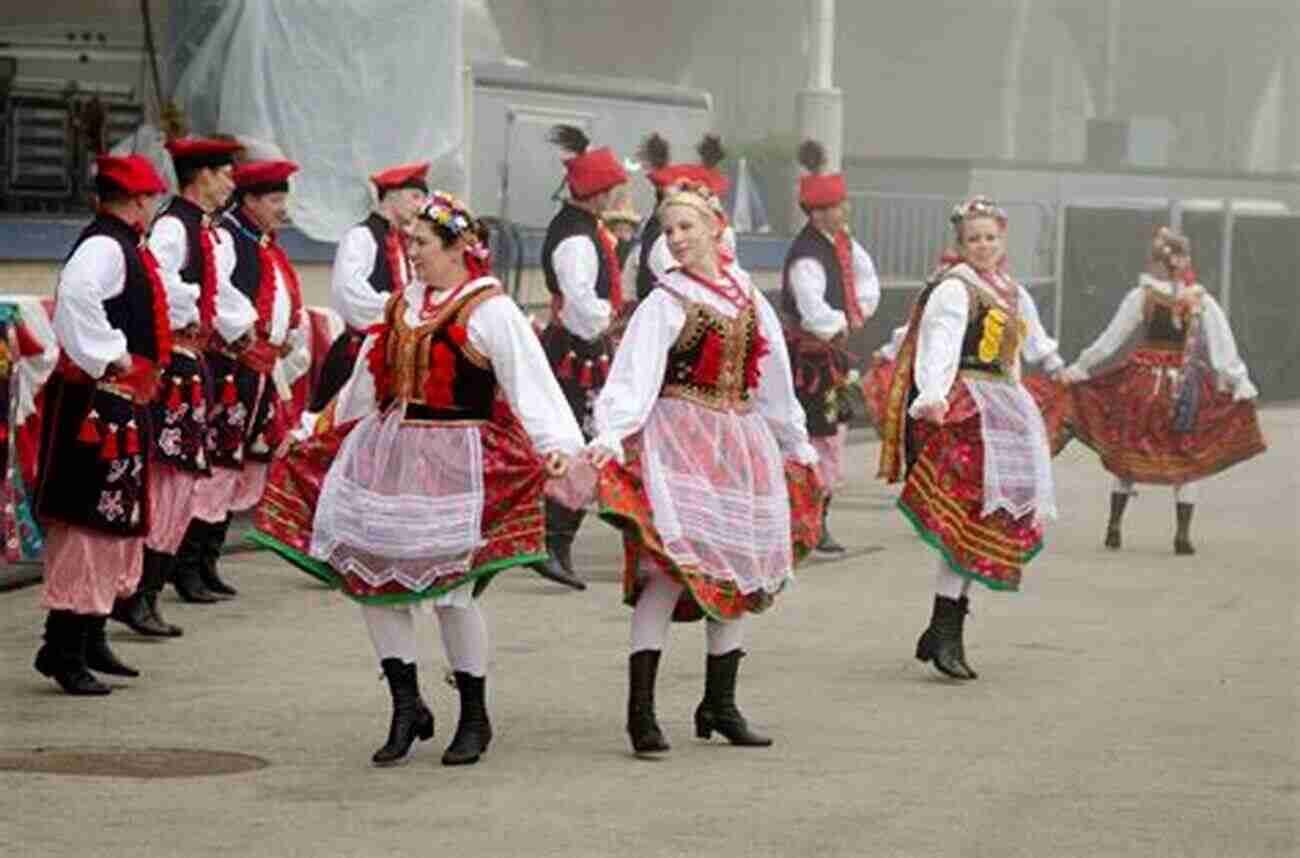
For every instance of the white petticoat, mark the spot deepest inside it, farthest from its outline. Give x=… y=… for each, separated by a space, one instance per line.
x=403 y=503
x=1017 y=458
x=716 y=485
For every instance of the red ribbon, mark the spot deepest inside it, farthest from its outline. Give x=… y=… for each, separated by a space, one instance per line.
x=844 y=255
x=208 y=285
x=162 y=326
x=609 y=249
x=395 y=253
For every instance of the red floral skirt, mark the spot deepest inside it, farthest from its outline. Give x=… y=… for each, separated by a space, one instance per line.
x=943 y=497
x=875 y=388
x=513 y=522
x=624 y=504
x=1055 y=404
x=1127 y=417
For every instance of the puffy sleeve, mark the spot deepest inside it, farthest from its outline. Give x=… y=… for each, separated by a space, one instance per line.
x=170 y=247
x=1222 y=348
x=1126 y=321
x=808 y=283
x=350 y=290
x=889 y=351
x=297 y=362
x=576 y=268
x=636 y=376
x=775 y=398
x=865 y=281
x=236 y=315
x=93 y=274
x=499 y=330
x=938 y=353
x=1039 y=347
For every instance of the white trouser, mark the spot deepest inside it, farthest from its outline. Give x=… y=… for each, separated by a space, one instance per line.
x=653 y=615
x=1183 y=493
x=463 y=629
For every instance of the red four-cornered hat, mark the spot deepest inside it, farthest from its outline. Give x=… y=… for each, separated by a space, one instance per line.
x=402 y=176
x=594 y=171
x=203 y=151
x=134 y=174
x=264 y=177
x=818 y=190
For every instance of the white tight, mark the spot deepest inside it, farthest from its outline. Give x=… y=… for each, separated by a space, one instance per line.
x=463 y=629
x=653 y=615
x=947 y=582
x=1184 y=493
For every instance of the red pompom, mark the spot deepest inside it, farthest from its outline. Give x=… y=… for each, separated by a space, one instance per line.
x=229 y=393
x=603 y=366
x=196 y=391
x=132 y=439
x=585 y=377
x=438 y=387
x=89 y=433
x=566 y=366
x=108 y=451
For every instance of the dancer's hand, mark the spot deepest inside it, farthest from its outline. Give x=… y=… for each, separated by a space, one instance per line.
x=598 y=457
x=934 y=413
x=557 y=465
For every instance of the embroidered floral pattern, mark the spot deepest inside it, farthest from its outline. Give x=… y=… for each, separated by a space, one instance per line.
x=110 y=505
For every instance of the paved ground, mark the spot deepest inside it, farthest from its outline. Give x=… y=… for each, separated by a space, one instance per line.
x=1129 y=704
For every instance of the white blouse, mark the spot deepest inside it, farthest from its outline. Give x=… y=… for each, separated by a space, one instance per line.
x=95 y=272
x=577 y=267
x=1220 y=344
x=636 y=376
x=170 y=246
x=808 y=282
x=943 y=327
x=499 y=330
x=351 y=294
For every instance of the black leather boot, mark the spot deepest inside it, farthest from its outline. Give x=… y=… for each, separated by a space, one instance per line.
x=98 y=654
x=1118 y=500
x=139 y=610
x=717 y=711
x=562 y=526
x=1182 y=539
x=213 y=539
x=63 y=657
x=473 y=730
x=411 y=717
x=188 y=565
x=941 y=643
x=963 y=605
x=642 y=728
x=827 y=543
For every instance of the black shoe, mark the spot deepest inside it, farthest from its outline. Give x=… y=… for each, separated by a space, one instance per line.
x=63 y=657
x=188 y=565
x=562 y=526
x=213 y=539
x=138 y=611
x=717 y=711
x=941 y=642
x=1118 y=501
x=827 y=544
x=411 y=717
x=473 y=731
x=642 y=728
x=1182 y=539
x=99 y=656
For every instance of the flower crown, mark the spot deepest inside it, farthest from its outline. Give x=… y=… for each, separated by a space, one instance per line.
x=696 y=195
x=446 y=211
x=977 y=207
x=1167 y=244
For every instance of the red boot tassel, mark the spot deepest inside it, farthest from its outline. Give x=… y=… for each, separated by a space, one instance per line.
x=585 y=377
x=89 y=433
x=229 y=395
x=132 y=439
x=196 y=391
x=566 y=366
x=108 y=451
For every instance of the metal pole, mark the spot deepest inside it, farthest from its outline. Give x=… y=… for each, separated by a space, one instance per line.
x=1058 y=312
x=1225 y=260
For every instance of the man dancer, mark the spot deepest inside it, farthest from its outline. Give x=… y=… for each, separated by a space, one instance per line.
x=93 y=492
x=829 y=288
x=580 y=262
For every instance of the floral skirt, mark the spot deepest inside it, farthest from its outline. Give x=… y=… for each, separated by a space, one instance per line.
x=1127 y=417
x=875 y=388
x=943 y=498
x=710 y=592
x=512 y=528
x=1055 y=404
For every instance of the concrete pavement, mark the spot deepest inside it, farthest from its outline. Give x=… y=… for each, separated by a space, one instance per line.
x=1130 y=704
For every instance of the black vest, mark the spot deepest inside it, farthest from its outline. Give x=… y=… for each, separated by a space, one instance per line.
x=645 y=278
x=381 y=274
x=1161 y=330
x=131 y=311
x=247 y=276
x=191 y=217
x=572 y=221
x=813 y=244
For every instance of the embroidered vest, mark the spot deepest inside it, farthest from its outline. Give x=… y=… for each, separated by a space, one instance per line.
x=713 y=362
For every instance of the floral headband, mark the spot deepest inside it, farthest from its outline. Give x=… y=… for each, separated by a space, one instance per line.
x=447 y=212
x=977 y=207
x=1167 y=244
x=694 y=195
